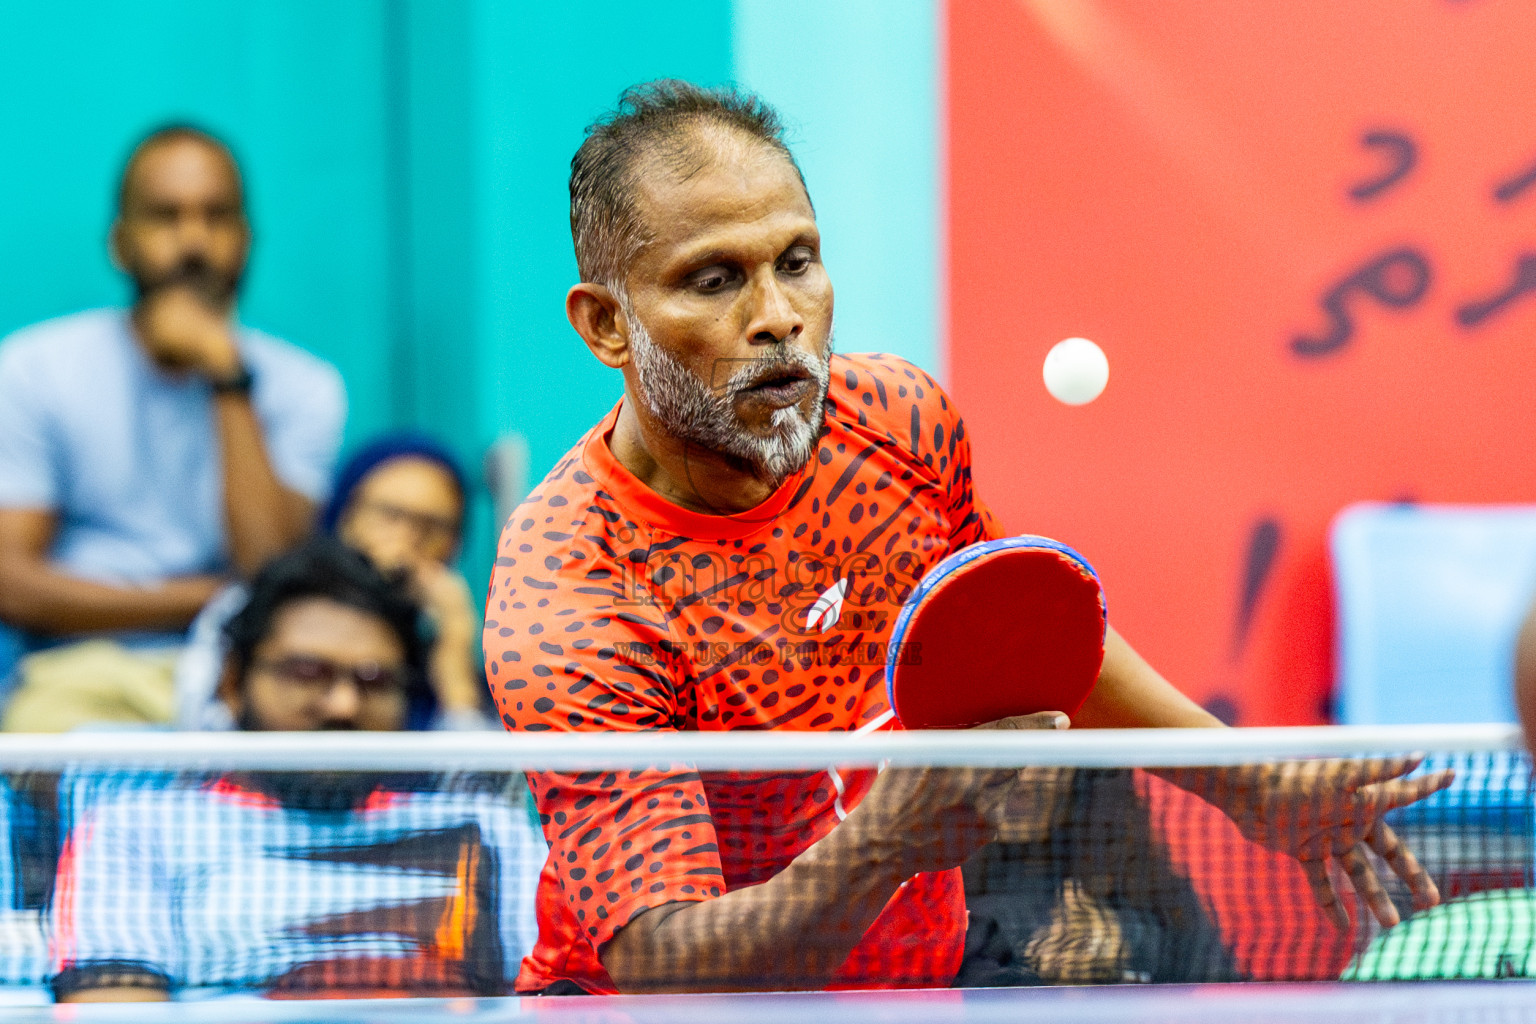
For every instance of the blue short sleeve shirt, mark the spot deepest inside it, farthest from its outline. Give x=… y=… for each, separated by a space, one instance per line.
x=127 y=455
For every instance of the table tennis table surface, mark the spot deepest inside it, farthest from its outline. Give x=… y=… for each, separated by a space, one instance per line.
x=1251 y=1003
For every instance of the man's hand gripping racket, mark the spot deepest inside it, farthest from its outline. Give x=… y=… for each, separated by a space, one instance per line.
x=1007 y=634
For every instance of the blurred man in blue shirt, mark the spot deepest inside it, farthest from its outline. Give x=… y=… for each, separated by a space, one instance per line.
x=148 y=455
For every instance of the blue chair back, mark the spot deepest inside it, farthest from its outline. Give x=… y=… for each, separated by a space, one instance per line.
x=11 y=650
x=1430 y=599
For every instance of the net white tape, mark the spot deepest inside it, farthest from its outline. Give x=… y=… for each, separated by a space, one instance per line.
x=740 y=751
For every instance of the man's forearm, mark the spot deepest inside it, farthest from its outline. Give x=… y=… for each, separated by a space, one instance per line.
x=1130 y=694
x=39 y=599
x=264 y=518
x=792 y=932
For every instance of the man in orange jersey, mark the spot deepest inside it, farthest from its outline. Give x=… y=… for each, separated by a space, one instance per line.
x=728 y=549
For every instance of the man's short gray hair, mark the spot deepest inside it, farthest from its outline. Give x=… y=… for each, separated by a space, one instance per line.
x=654 y=123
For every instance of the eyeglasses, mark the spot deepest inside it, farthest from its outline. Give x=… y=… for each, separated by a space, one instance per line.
x=316 y=676
x=427 y=527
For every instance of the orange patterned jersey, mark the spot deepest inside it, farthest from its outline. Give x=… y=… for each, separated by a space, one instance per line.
x=613 y=610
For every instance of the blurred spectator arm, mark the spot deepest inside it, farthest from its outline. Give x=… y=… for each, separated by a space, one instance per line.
x=454 y=669
x=278 y=445
x=38 y=598
x=264 y=516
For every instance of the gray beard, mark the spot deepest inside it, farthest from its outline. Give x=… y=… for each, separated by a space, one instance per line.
x=694 y=412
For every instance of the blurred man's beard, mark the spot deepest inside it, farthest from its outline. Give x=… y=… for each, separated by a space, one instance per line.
x=694 y=412
x=215 y=288
x=311 y=789
x=249 y=721
x=322 y=790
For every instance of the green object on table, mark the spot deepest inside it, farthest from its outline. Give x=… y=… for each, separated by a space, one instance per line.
x=1486 y=935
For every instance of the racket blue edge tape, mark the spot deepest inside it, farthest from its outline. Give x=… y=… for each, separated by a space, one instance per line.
x=949 y=564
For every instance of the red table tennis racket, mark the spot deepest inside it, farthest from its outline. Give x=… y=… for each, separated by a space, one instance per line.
x=1005 y=627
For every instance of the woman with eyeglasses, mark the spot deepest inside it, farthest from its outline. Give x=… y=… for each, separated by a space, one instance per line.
x=400 y=500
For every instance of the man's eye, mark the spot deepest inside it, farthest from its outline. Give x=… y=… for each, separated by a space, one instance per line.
x=796 y=261
x=711 y=280
x=305 y=669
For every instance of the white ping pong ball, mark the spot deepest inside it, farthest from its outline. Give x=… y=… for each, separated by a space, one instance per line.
x=1075 y=371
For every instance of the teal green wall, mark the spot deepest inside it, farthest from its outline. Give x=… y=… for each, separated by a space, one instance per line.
x=293 y=85
x=407 y=165
x=860 y=96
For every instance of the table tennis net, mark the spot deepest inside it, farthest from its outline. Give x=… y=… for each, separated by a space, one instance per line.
x=408 y=864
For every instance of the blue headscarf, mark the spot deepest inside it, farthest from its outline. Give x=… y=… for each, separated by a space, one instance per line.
x=403 y=444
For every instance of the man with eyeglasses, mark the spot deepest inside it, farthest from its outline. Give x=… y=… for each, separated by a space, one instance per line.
x=308 y=883
x=323 y=644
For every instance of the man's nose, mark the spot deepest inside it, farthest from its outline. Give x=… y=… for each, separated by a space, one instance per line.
x=773 y=317
x=342 y=703
x=193 y=233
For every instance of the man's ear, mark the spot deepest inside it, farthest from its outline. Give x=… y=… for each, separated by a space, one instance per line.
x=115 y=244
x=597 y=316
x=229 y=689
x=246 y=245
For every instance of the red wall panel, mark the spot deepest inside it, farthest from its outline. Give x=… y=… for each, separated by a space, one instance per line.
x=1187 y=184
